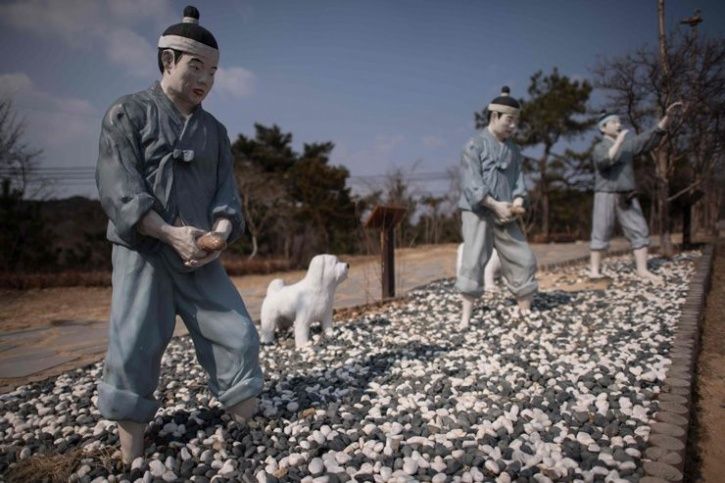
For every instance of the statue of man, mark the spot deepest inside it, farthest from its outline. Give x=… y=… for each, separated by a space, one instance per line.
x=165 y=177
x=493 y=196
x=614 y=189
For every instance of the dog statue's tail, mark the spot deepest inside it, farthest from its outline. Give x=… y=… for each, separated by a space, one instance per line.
x=275 y=286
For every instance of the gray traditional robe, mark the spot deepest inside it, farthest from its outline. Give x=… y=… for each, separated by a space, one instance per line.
x=493 y=168
x=617 y=175
x=613 y=177
x=490 y=167
x=152 y=158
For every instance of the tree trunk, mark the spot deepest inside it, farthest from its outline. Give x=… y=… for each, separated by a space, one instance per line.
x=686 y=226
x=663 y=204
x=250 y=226
x=712 y=209
x=662 y=41
x=544 y=189
x=436 y=227
x=254 y=247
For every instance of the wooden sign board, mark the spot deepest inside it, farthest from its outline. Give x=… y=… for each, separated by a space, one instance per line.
x=386 y=218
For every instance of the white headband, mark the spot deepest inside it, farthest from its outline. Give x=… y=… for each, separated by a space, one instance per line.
x=606 y=120
x=184 y=44
x=503 y=109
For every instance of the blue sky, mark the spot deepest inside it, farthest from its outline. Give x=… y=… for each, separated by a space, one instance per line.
x=394 y=84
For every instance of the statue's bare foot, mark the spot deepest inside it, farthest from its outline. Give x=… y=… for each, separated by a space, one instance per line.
x=243 y=410
x=466 y=310
x=130 y=434
x=523 y=307
x=598 y=276
x=648 y=276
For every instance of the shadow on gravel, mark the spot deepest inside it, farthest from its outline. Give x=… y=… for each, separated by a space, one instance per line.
x=545 y=301
x=342 y=384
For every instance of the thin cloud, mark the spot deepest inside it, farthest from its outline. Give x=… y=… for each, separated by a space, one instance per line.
x=236 y=82
x=433 y=142
x=385 y=143
x=50 y=122
x=84 y=24
x=131 y=51
x=376 y=158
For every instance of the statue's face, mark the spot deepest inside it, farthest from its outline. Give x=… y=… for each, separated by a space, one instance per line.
x=612 y=127
x=504 y=125
x=191 y=77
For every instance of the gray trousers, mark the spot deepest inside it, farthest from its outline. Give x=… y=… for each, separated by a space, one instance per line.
x=608 y=208
x=147 y=296
x=480 y=236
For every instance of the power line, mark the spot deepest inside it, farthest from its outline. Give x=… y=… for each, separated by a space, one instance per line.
x=78 y=175
x=91 y=169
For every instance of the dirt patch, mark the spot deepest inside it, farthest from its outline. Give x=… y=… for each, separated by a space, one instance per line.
x=567 y=283
x=36 y=308
x=28 y=309
x=707 y=459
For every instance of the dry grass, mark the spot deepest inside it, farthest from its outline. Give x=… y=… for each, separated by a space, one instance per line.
x=236 y=267
x=73 y=278
x=57 y=468
x=53 y=468
x=372 y=308
x=25 y=281
x=705 y=460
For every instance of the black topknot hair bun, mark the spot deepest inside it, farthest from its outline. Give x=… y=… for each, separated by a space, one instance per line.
x=505 y=91
x=191 y=11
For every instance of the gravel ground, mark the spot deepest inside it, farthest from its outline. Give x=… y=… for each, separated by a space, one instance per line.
x=566 y=394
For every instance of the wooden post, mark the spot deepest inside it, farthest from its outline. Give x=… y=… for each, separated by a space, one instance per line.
x=387 y=242
x=386 y=218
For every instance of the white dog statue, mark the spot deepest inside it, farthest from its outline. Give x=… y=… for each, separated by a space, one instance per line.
x=304 y=302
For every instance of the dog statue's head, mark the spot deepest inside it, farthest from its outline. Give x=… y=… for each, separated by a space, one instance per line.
x=327 y=270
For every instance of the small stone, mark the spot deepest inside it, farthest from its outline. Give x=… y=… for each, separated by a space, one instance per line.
x=662 y=470
x=667 y=442
x=584 y=438
x=316 y=466
x=227 y=468
x=476 y=474
x=410 y=466
x=169 y=476
x=157 y=468
x=184 y=454
x=262 y=477
x=502 y=478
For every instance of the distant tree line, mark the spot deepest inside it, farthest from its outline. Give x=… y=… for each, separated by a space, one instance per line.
x=298 y=204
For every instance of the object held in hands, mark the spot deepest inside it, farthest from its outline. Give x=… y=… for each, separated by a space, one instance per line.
x=517 y=210
x=211 y=242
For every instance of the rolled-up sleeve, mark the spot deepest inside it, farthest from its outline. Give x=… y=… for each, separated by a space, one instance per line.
x=601 y=158
x=475 y=188
x=519 y=188
x=227 y=200
x=122 y=190
x=646 y=141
